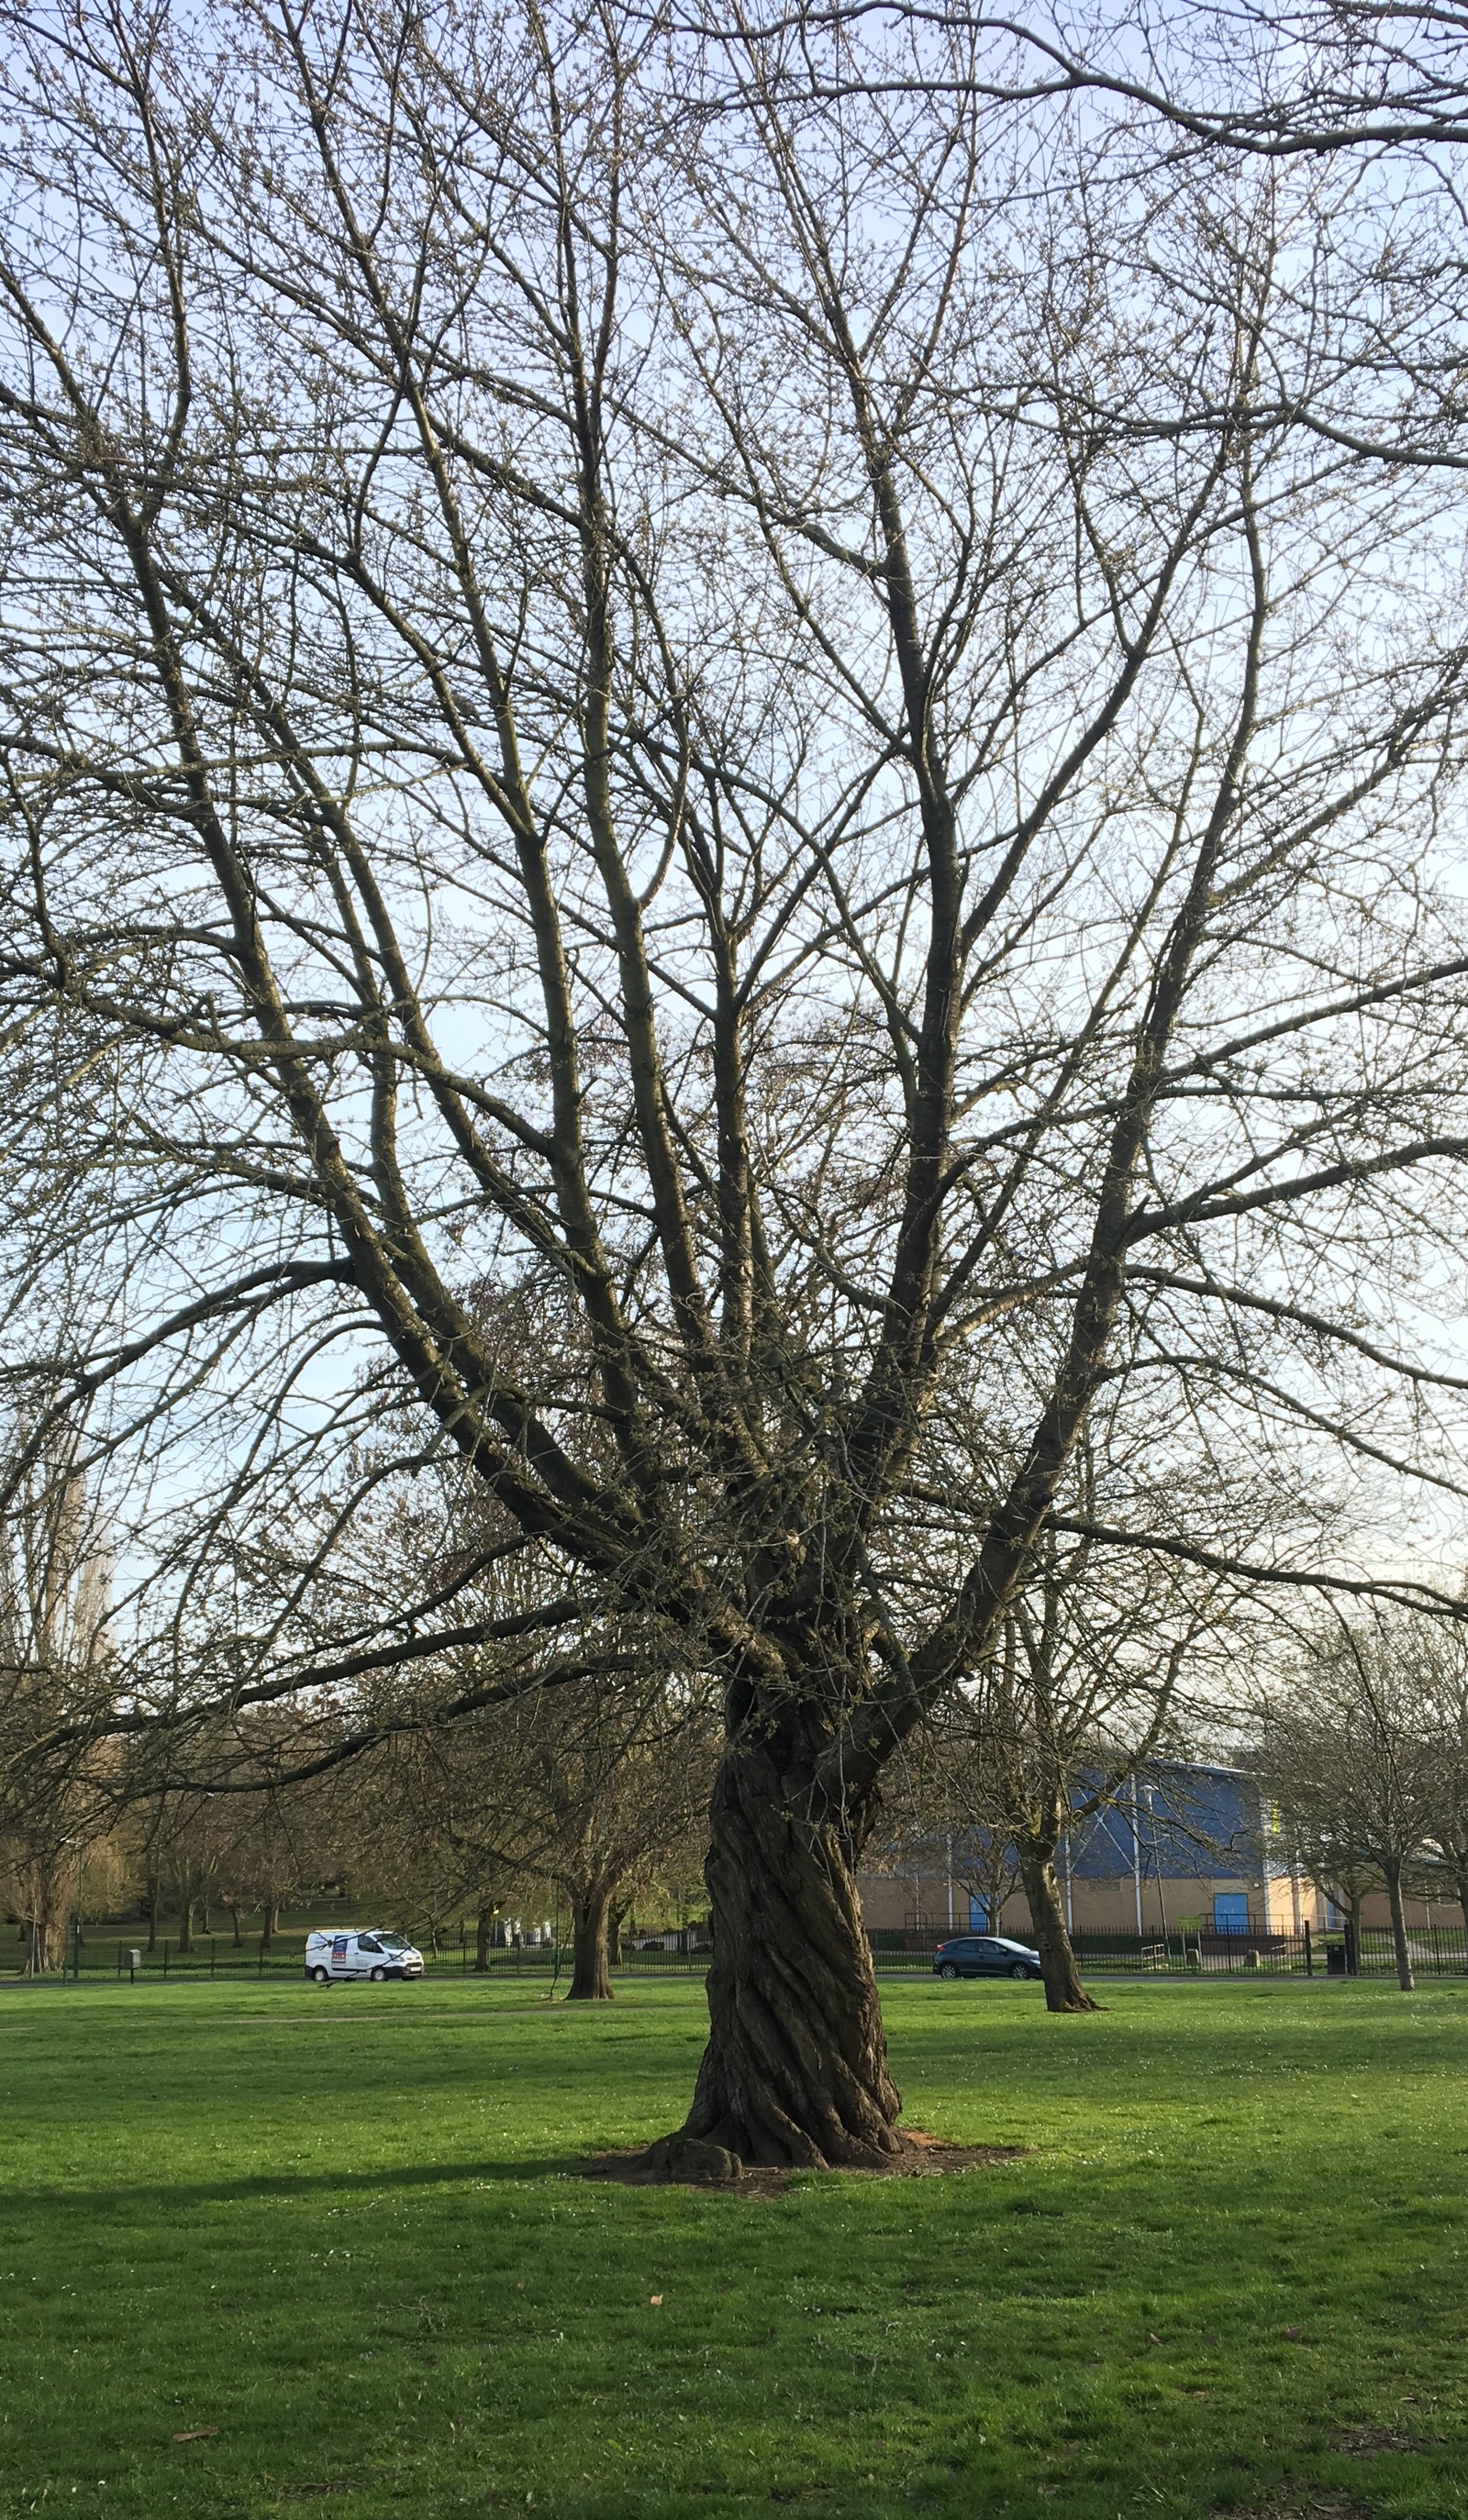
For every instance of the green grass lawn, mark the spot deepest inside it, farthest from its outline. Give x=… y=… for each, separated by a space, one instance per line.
x=346 y=2231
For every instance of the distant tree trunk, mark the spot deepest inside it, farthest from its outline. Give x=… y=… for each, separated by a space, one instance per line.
x=154 y=1893
x=1461 y=1878
x=1404 y=1979
x=616 y=1919
x=483 y=1932
x=45 y=1876
x=234 y=1912
x=1064 y=1991
x=43 y=1945
x=204 y=1898
x=590 y=1978
x=185 y=1913
x=268 y=1922
x=1353 y=1955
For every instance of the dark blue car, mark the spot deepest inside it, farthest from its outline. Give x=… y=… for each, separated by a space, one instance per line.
x=985 y=1956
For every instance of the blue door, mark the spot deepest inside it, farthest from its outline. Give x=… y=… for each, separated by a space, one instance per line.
x=1230 y=1911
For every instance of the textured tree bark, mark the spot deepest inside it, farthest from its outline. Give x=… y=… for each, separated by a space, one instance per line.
x=45 y=1943
x=1064 y=1991
x=795 y=2072
x=43 y=1878
x=483 y=1927
x=590 y=1978
x=1404 y=1978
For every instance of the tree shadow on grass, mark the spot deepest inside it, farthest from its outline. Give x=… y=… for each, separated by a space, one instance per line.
x=175 y=2196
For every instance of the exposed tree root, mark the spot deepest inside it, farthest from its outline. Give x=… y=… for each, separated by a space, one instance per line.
x=683 y=2160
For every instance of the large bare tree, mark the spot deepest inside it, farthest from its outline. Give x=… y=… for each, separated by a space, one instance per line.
x=702 y=768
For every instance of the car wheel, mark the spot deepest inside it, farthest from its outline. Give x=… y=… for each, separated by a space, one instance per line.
x=947 y=1969
x=1020 y=1970
x=377 y=1976
x=323 y=1977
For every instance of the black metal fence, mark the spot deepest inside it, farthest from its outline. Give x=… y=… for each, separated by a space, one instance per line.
x=95 y=1955
x=1436 y=1951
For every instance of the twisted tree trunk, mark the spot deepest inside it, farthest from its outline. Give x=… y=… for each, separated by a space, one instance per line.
x=795 y=2072
x=1064 y=1991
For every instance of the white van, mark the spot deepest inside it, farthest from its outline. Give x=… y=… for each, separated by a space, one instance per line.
x=354 y=1950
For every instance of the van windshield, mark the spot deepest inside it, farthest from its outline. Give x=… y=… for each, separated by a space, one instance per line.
x=394 y=1942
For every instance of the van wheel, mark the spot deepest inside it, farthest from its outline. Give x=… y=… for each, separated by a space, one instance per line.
x=377 y=1976
x=947 y=1969
x=323 y=1977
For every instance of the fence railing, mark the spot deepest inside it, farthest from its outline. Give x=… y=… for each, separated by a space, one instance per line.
x=99 y=1955
x=1436 y=1951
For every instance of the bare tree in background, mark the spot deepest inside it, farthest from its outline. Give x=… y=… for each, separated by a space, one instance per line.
x=1099 y=1664
x=1431 y=1665
x=701 y=760
x=615 y=1799
x=55 y=1671
x=1353 y=1766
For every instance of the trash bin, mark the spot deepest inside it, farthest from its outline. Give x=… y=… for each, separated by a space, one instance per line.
x=135 y=1963
x=1335 y=1960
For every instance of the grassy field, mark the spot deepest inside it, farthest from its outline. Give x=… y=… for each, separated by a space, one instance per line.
x=345 y=2233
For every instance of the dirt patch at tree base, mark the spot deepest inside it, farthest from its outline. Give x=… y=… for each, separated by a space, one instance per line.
x=1306 y=2507
x=681 y=2161
x=1372 y=2441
